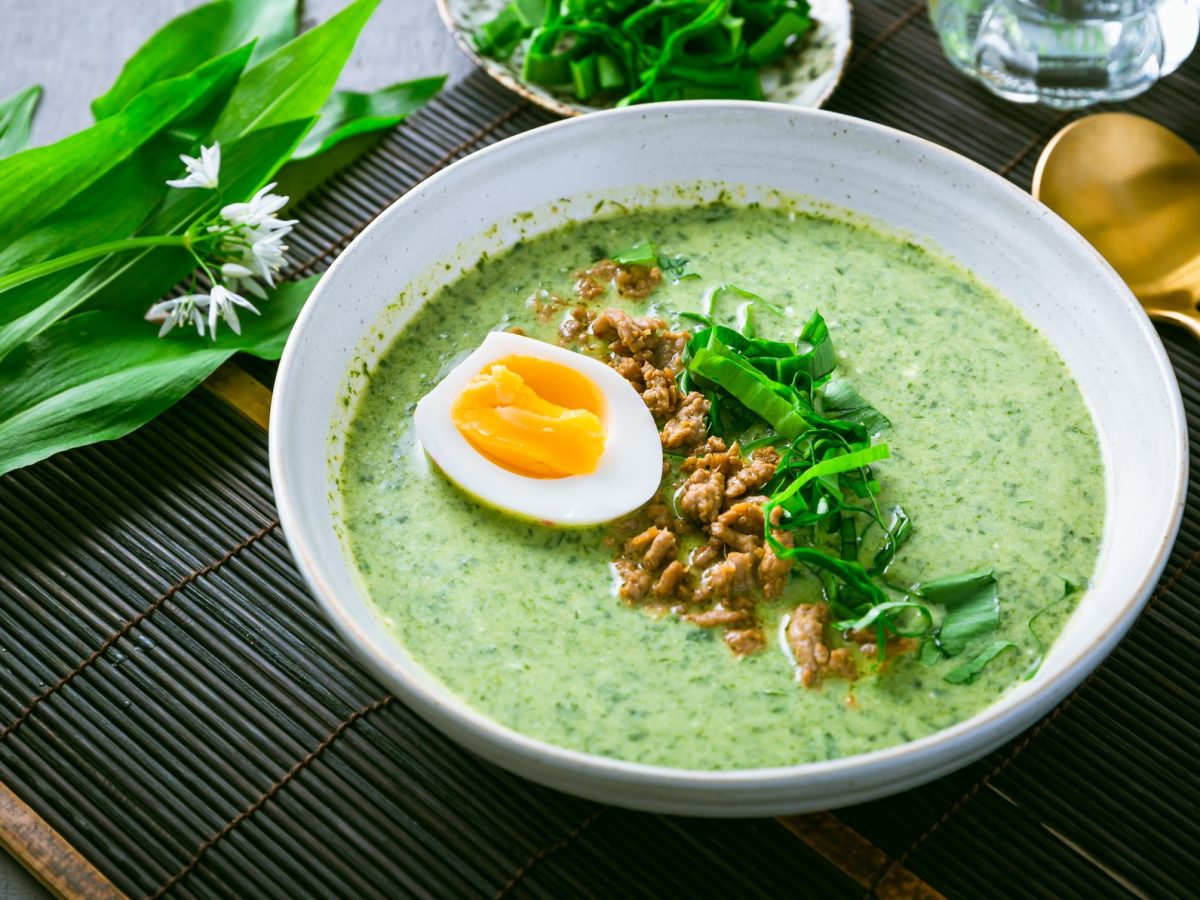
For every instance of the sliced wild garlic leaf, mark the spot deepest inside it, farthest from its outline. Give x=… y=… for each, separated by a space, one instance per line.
x=16 y=119
x=99 y=375
x=499 y=36
x=1069 y=588
x=841 y=402
x=850 y=539
x=676 y=269
x=714 y=294
x=295 y=80
x=931 y=654
x=898 y=532
x=35 y=183
x=192 y=39
x=748 y=386
x=768 y=439
x=682 y=49
x=826 y=428
x=852 y=574
x=972 y=608
x=347 y=114
x=835 y=465
x=641 y=253
x=822 y=358
x=970 y=670
x=770 y=378
x=891 y=606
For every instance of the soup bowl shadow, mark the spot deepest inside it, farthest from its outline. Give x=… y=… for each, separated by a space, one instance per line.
x=749 y=151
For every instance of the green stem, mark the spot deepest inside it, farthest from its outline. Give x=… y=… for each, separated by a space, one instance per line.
x=51 y=266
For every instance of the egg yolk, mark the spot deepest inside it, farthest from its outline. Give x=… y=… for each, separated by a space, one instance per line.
x=533 y=417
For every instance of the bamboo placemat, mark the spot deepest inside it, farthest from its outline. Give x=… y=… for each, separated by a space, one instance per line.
x=176 y=717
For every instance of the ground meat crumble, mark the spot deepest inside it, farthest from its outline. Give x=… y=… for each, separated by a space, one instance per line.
x=632 y=281
x=814 y=659
x=697 y=550
x=718 y=563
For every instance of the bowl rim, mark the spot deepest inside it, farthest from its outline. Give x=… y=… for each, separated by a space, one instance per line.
x=963 y=741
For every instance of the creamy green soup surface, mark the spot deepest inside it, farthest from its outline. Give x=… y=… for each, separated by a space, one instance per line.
x=993 y=455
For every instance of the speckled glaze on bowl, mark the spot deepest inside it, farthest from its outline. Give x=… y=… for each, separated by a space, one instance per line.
x=938 y=198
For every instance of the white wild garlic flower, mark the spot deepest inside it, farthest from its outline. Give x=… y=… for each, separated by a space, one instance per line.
x=203 y=172
x=179 y=311
x=240 y=250
x=223 y=302
x=259 y=212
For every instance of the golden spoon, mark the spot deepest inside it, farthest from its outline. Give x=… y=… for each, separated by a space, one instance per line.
x=1132 y=188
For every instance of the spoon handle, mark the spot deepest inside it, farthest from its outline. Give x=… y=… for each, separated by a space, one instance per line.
x=1191 y=321
x=1177 y=307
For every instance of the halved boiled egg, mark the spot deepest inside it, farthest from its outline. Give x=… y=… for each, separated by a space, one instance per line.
x=542 y=432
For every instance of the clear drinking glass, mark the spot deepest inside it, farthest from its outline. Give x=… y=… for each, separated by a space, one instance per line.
x=1067 y=53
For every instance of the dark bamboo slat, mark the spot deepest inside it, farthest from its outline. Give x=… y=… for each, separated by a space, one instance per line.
x=226 y=743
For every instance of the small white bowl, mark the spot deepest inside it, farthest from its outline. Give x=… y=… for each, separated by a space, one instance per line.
x=938 y=198
x=806 y=77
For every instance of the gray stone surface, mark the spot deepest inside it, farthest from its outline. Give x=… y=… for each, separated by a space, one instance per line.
x=75 y=48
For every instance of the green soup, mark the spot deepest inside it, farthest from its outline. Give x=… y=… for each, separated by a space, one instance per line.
x=993 y=456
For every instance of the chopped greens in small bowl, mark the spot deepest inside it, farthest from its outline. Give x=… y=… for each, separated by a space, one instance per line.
x=574 y=56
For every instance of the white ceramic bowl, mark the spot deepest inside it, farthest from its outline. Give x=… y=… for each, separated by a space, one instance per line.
x=938 y=198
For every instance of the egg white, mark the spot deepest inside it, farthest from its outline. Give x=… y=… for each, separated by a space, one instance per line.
x=626 y=476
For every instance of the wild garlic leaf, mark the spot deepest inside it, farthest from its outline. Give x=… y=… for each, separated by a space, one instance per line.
x=641 y=253
x=852 y=574
x=347 y=114
x=899 y=530
x=772 y=379
x=972 y=608
x=16 y=118
x=294 y=81
x=35 y=183
x=734 y=375
x=197 y=36
x=135 y=280
x=1069 y=589
x=892 y=606
x=822 y=358
x=99 y=375
x=111 y=209
x=833 y=465
x=841 y=402
x=676 y=268
x=930 y=654
x=970 y=670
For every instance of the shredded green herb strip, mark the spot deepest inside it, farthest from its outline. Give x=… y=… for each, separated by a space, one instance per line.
x=972 y=608
x=640 y=254
x=824 y=494
x=1069 y=589
x=823 y=458
x=643 y=253
x=676 y=268
x=638 y=52
x=972 y=617
x=969 y=671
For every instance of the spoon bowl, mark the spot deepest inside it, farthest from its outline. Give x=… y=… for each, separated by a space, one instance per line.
x=1132 y=188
